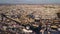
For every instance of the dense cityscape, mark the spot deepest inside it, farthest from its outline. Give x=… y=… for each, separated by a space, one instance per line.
x=30 y=19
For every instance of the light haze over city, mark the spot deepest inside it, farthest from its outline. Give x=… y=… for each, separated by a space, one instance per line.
x=29 y=1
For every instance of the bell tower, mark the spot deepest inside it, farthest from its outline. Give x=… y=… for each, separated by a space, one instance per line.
x=58 y=14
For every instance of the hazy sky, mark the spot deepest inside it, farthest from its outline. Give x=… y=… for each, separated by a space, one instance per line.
x=30 y=1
